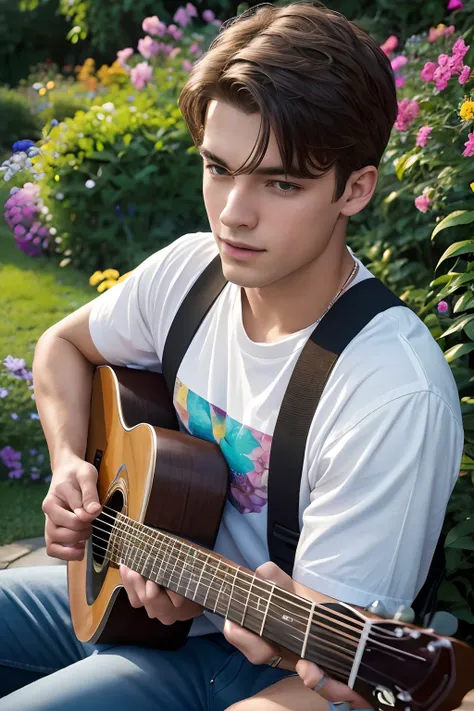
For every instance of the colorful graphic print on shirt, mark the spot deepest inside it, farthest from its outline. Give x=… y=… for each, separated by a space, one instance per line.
x=246 y=450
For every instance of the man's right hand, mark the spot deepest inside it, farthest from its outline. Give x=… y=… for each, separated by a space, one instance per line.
x=70 y=506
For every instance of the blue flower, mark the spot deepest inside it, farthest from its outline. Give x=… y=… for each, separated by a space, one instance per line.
x=22 y=145
x=54 y=122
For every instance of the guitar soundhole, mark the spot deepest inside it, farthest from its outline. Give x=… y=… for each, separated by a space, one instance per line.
x=103 y=525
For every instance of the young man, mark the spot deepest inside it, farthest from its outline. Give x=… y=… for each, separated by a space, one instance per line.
x=291 y=109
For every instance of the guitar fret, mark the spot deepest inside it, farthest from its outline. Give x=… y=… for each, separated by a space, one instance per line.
x=232 y=591
x=308 y=627
x=247 y=601
x=200 y=575
x=266 y=610
x=210 y=584
x=177 y=558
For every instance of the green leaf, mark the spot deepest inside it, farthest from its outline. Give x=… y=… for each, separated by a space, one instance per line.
x=405 y=163
x=458 y=351
x=465 y=543
x=458 y=325
x=453 y=250
x=458 y=217
x=466 y=301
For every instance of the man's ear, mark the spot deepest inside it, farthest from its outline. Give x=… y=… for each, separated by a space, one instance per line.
x=359 y=190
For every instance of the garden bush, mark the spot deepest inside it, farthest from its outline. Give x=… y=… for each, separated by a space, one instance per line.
x=16 y=120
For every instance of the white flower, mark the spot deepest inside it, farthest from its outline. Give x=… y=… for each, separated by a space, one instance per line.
x=58 y=240
x=108 y=106
x=59 y=196
x=52 y=231
x=89 y=184
x=44 y=210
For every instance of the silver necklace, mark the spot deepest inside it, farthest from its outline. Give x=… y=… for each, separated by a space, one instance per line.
x=351 y=276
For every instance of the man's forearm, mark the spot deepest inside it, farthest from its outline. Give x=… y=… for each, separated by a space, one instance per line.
x=62 y=383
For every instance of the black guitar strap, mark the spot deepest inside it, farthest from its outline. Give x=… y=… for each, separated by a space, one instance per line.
x=345 y=320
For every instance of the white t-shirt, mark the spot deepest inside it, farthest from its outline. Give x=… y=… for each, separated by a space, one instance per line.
x=383 y=451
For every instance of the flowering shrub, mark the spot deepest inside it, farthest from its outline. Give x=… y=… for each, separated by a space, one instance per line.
x=32 y=463
x=16 y=120
x=425 y=187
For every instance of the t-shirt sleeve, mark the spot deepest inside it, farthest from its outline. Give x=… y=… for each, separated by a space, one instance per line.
x=129 y=322
x=379 y=502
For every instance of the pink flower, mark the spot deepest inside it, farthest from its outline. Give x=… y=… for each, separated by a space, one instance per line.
x=427 y=73
x=175 y=33
x=443 y=307
x=460 y=48
x=141 y=75
x=469 y=150
x=455 y=5
x=153 y=26
x=465 y=74
x=408 y=110
x=187 y=65
x=442 y=76
x=123 y=55
x=208 y=16
x=195 y=49
x=389 y=45
x=422 y=136
x=148 y=48
x=398 y=62
x=181 y=17
x=399 y=82
x=191 y=10
x=423 y=201
x=440 y=31
x=174 y=52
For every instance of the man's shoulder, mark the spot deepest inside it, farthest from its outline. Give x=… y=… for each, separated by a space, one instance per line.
x=190 y=253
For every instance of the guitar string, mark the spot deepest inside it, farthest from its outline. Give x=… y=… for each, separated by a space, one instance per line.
x=387 y=633
x=270 y=617
x=297 y=601
x=338 y=666
x=261 y=584
x=370 y=637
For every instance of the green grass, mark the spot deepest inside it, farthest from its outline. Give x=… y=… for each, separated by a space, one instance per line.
x=20 y=510
x=34 y=294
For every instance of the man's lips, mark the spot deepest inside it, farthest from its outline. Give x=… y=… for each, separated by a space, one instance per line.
x=241 y=245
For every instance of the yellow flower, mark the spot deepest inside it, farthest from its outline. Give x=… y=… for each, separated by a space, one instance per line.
x=467 y=111
x=42 y=92
x=110 y=274
x=124 y=276
x=472 y=187
x=95 y=278
x=107 y=284
x=50 y=85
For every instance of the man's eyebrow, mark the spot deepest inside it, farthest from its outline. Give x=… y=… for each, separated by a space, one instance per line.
x=274 y=170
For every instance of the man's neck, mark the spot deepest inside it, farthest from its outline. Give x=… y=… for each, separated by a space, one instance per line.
x=291 y=304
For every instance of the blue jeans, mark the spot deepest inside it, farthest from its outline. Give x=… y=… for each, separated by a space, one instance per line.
x=43 y=667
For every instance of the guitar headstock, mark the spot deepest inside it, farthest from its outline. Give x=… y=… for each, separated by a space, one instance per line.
x=408 y=668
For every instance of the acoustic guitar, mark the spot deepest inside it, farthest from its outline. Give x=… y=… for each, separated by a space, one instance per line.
x=163 y=493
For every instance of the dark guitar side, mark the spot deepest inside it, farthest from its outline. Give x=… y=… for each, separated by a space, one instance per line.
x=186 y=497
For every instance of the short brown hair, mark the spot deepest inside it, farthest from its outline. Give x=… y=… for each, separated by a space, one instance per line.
x=320 y=82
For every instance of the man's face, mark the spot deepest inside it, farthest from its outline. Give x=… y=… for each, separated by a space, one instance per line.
x=285 y=222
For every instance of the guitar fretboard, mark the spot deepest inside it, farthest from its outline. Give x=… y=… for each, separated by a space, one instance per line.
x=310 y=630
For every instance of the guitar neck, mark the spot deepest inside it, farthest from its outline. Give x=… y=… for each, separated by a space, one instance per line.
x=313 y=631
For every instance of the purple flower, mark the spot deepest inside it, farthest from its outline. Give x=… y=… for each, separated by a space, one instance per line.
x=34 y=416
x=443 y=307
x=3 y=392
x=17 y=474
x=208 y=16
x=14 y=364
x=123 y=55
x=147 y=47
x=14 y=416
x=141 y=75
x=33 y=452
x=181 y=17
x=154 y=26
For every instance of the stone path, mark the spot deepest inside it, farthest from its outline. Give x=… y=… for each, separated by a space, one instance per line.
x=32 y=552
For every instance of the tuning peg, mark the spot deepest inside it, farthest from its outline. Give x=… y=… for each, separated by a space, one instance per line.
x=377 y=608
x=444 y=623
x=404 y=614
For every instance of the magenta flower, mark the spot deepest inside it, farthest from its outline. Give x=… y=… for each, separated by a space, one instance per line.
x=399 y=82
x=427 y=73
x=148 y=48
x=408 y=110
x=469 y=149
x=181 y=17
x=443 y=307
x=141 y=75
x=442 y=76
x=465 y=74
x=123 y=55
x=398 y=62
x=153 y=26
x=422 y=136
x=423 y=201
x=208 y=16
x=455 y=5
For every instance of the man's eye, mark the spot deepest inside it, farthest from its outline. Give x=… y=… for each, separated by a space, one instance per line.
x=210 y=166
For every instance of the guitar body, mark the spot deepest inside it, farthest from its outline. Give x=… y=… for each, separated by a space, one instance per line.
x=154 y=474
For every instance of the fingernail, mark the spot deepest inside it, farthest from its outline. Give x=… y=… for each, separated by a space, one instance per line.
x=92 y=507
